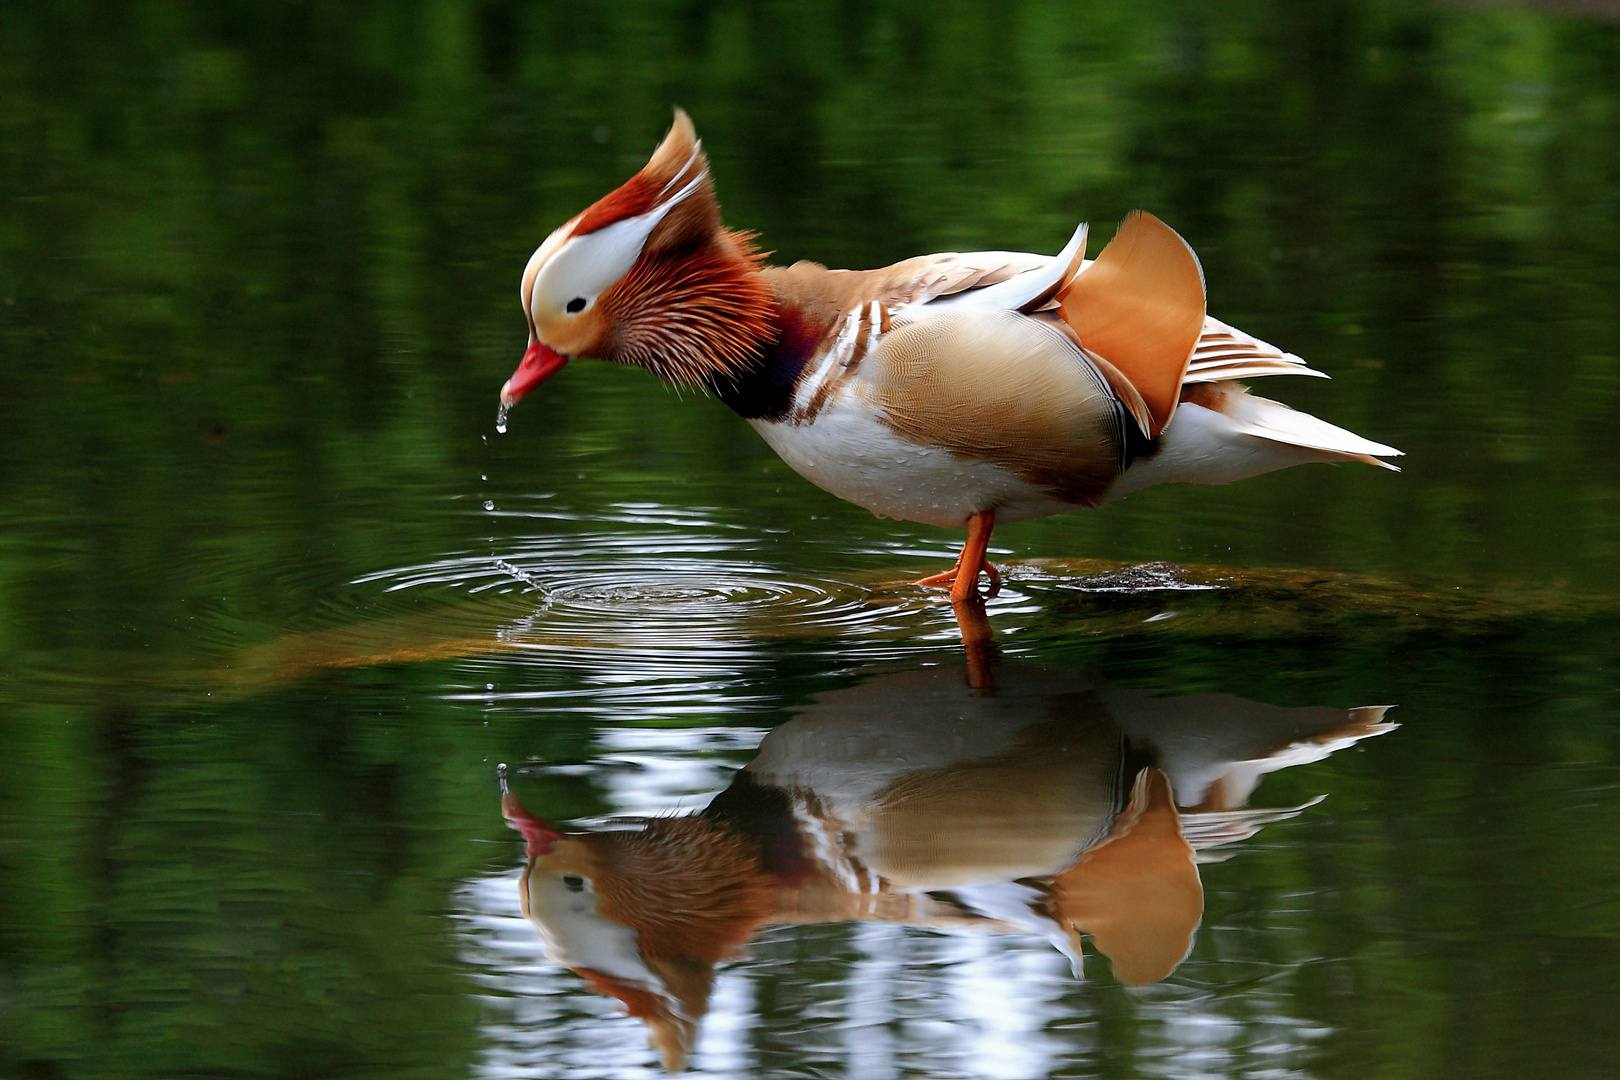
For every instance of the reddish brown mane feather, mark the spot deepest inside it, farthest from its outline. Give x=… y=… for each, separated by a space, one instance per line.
x=692 y=316
x=676 y=159
x=635 y=196
x=690 y=888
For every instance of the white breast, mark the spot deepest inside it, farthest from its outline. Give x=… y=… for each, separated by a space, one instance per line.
x=847 y=450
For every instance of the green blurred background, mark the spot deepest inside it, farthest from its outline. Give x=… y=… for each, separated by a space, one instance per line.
x=258 y=279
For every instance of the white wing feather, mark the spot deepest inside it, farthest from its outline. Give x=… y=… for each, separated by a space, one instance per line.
x=1009 y=295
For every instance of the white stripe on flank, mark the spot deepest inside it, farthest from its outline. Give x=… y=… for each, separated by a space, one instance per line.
x=862 y=328
x=844 y=345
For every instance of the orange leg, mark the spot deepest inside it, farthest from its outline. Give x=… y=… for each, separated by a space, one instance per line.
x=978 y=541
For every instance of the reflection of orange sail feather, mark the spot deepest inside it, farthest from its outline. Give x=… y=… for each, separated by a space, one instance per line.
x=1137 y=892
x=1060 y=805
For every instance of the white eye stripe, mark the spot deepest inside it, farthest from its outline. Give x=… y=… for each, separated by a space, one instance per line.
x=557 y=238
x=586 y=266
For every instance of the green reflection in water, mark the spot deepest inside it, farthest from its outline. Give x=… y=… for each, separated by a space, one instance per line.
x=257 y=271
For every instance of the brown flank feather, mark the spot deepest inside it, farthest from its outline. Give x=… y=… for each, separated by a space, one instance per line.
x=997 y=386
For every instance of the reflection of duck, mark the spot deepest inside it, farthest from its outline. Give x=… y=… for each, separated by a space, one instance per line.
x=1058 y=805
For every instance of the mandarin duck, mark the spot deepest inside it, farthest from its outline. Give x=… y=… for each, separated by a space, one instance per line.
x=951 y=389
x=1058 y=807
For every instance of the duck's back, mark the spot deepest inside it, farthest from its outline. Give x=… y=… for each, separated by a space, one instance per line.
x=928 y=411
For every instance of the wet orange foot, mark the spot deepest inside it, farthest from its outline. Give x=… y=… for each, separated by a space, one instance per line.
x=963 y=585
x=948 y=579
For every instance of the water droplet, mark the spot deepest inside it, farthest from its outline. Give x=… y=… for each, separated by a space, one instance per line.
x=481 y=476
x=489 y=504
x=500 y=417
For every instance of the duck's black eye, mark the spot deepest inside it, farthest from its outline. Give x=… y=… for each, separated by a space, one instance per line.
x=573 y=883
x=576 y=305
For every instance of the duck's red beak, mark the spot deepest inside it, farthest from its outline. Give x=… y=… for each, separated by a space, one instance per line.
x=539 y=364
x=538 y=833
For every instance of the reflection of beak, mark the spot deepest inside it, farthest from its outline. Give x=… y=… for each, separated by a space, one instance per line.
x=538 y=832
x=539 y=364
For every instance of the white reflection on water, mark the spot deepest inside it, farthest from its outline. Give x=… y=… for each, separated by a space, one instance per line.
x=666 y=770
x=1007 y=998
x=875 y=1001
x=872 y=999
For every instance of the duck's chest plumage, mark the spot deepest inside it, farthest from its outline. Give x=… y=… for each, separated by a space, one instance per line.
x=848 y=451
x=937 y=418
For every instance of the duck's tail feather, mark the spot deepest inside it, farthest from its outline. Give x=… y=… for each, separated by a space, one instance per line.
x=1267 y=419
x=1224 y=353
x=1222 y=433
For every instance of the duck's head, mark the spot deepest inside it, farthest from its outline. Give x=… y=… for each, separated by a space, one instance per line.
x=643 y=916
x=647 y=275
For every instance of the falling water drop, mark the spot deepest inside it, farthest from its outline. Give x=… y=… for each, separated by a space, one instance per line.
x=489 y=504
x=500 y=417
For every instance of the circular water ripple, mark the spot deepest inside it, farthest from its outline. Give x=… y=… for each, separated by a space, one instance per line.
x=637 y=581
x=679 y=600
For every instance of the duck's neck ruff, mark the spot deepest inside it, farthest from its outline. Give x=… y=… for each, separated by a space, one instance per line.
x=689 y=887
x=695 y=317
x=765 y=388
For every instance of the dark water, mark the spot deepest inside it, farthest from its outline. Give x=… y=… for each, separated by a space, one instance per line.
x=277 y=599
